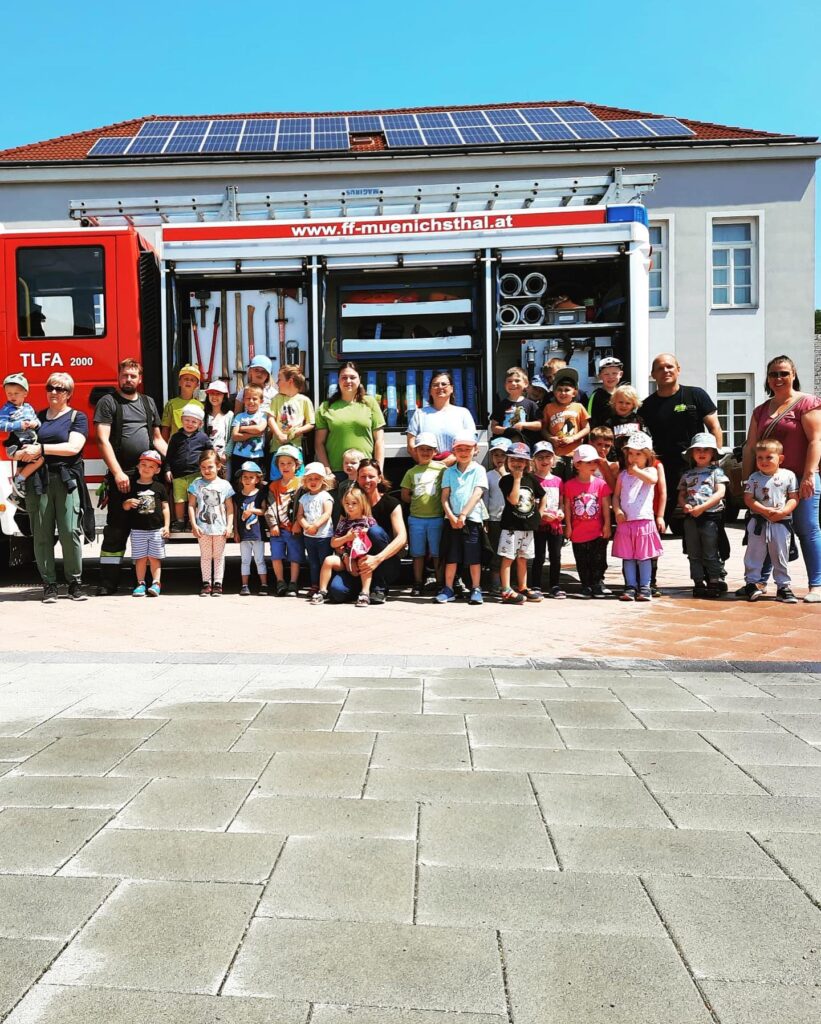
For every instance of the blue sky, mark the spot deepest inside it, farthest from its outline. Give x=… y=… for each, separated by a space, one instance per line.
x=67 y=67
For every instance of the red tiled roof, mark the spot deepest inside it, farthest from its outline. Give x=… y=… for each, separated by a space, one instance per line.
x=71 y=148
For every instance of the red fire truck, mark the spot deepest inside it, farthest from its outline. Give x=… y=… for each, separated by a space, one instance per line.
x=471 y=278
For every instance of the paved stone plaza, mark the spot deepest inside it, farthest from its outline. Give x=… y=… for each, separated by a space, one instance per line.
x=376 y=840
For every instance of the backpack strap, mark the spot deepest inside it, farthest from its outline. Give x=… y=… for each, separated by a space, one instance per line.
x=117 y=425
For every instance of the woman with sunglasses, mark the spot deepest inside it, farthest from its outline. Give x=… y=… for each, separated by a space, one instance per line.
x=441 y=417
x=793 y=418
x=387 y=539
x=53 y=493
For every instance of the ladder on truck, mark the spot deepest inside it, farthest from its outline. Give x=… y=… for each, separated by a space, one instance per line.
x=614 y=188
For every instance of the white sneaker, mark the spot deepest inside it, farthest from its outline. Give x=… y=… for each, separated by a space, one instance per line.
x=813 y=596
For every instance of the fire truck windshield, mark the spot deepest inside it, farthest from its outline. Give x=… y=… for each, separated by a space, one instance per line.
x=60 y=292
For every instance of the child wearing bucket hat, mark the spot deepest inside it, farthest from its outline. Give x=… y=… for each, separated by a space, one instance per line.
x=19 y=420
x=701 y=498
x=525 y=503
x=259 y=374
x=637 y=541
x=422 y=490
x=284 y=530
x=248 y=531
x=184 y=450
x=314 y=517
x=188 y=380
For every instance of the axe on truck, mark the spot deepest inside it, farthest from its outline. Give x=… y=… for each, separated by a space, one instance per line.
x=251 y=345
x=239 y=369
x=226 y=372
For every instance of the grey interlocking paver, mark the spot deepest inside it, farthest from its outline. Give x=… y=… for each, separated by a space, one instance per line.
x=716 y=684
x=591 y=715
x=372 y=1015
x=589 y=979
x=99 y=728
x=160 y=936
x=454 y=969
x=727 y=813
x=48 y=907
x=491 y=835
x=399 y=750
x=297 y=717
x=309 y=816
x=268 y=741
x=49 y=1003
x=726 y=721
x=475 y=689
x=59 y=791
x=177 y=856
x=39 y=840
x=191 y=764
x=78 y=756
x=806 y=727
x=195 y=734
x=505 y=731
x=669 y=698
x=766 y=705
x=632 y=739
x=559 y=762
x=22 y=961
x=742 y=929
x=643 y=851
x=603 y=800
x=14 y=748
x=689 y=772
x=483 y=706
x=765 y=749
x=784 y=780
x=402 y=701
x=584 y=694
x=292 y=773
x=364 y=721
x=343 y=879
x=748 y=1003
x=529 y=900
x=431 y=786
x=799 y=855
x=199 y=804
x=236 y=710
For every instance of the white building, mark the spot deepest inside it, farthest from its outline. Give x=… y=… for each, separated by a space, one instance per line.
x=732 y=216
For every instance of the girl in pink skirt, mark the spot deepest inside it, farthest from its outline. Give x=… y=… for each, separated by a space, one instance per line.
x=637 y=541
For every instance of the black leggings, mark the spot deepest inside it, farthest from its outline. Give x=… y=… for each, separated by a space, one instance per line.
x=550 y=544
x=591 y=561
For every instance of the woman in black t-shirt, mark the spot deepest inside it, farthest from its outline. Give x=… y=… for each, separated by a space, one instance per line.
x=53 y=494
x=388 y=539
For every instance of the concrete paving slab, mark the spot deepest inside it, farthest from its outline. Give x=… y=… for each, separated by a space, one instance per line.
x=632 y=739
x=716 y=721
x=160 y=936
x=267 y=741
x=189 y=804
x=591 y=715
x=402 y=701
x=766 y=705
x=430 y=786
x=398 y=750
x=524 y=899
x=527 y=677
x=542 y=691
x=589 y=979
x=302 y=717
x=715 y=684
x=642 y=851
x=291 y=773
x=743 y=813
x=78 y=756
x=764 y=749
x=295 y=694
x=362 y=721
x=43 y=907
x=497 y=707
x=59 y=791
x=177 y=856
x=15 y=723
x=343 y=879
x=15 y=749
x=717 y=924
x=506 y=731
x=551 y=762
x=806 y=727
x=669 y=698
x=38 y=841
x=806 y=689
x=574 y=694
x=781 y=780
x=372 y=1015
x=443 y=687
x=234 y=710
x=454 y=969
x=689 y=772
x=490 y=835
x=46 y=1004
x=191 y=764
x=98 y=728
x=195 y=734
x=311 y=816
x=22 y=961
x=799 y=855
x=745 y=1002
x=603 y=800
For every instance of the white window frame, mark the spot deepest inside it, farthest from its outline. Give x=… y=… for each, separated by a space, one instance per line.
x=754 y=245
x=732 y=397
x=663 y=252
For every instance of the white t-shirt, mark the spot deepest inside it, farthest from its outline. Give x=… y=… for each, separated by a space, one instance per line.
x=772 y=491
x=313 y=507
x=495 y=499
x=444 y=423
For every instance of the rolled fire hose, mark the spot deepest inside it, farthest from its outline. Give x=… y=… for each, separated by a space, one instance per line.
x=532 y=314
x=510 y=285
x=534 y=284
x=508 y=316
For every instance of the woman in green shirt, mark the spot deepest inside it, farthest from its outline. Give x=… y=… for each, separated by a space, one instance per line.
x=351 y=419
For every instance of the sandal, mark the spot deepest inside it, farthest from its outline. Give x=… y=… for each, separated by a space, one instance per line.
x=363 y=601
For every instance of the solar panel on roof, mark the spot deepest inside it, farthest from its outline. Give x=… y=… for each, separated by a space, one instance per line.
x=332 y=140
x=538 y=115
x=295 y=125
x=470 y=118
x=148 y=145
x=296 y=141
x=156 y=128
x=479 y=134
x=517 y=132
x=592 y=130
x=666 y=126
x=330 y=124
x=441 y=137
x=557 y=132
x=263 y=143
x=435 y=119
x=223 y=137
x=187 y=138
x=400 y=122
x=365 y=123
x=571 y=114
x=403 y=137
x=261 y=126
x=111 y=146
x=630 y=129
x=510 y=116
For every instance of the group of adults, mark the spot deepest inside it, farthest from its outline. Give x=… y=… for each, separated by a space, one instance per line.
x=128 y=423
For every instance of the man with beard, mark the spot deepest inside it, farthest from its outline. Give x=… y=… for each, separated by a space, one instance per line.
x=127 y=424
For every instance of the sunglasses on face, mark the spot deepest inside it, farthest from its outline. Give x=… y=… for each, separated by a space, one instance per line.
x=779 y=373
x=56 y=387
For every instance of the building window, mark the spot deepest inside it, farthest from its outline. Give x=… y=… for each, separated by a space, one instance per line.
x=658 y=267
x=734 y=401
x=61 y=292
x=734 y=255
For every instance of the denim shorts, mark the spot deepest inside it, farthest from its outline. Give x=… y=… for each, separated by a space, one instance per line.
x=424 y=535
x=286 y=547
